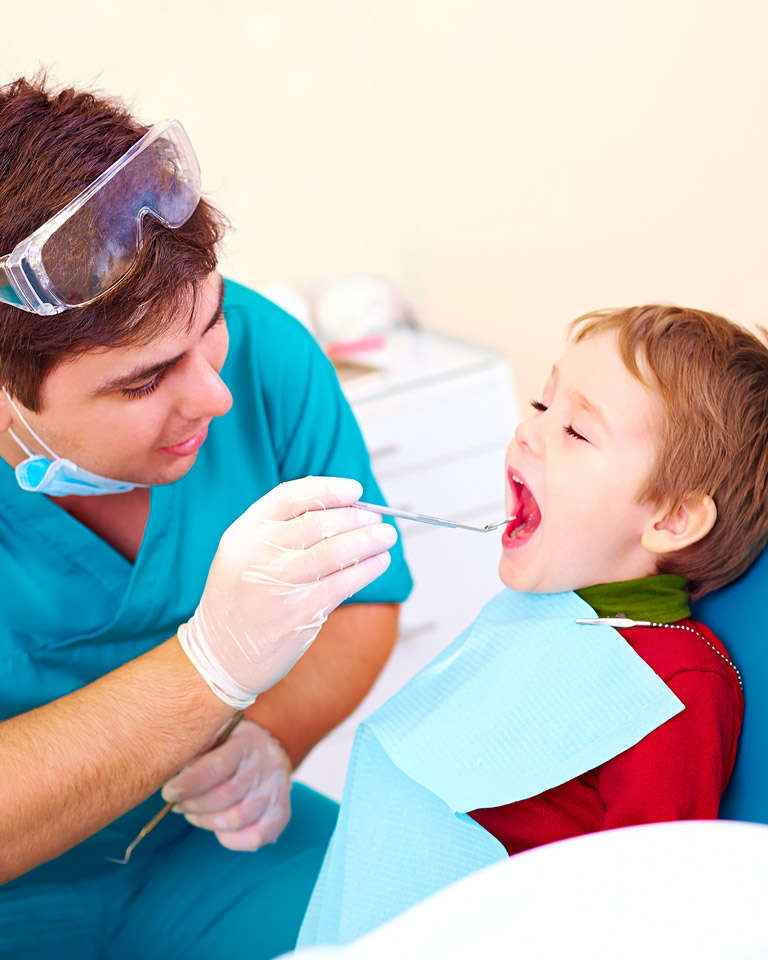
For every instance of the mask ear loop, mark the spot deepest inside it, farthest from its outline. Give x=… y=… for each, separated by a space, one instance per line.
x=20 y=442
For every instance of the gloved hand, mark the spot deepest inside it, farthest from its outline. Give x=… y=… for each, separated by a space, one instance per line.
x=280 y=569
x=239 y=790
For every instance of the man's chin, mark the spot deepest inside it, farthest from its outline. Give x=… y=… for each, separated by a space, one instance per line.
x=179 y=470
x=169 y=473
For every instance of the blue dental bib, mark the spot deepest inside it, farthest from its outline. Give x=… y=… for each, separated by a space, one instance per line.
x=522 y=701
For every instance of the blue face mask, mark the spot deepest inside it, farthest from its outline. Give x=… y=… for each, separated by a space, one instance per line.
x=58 y=477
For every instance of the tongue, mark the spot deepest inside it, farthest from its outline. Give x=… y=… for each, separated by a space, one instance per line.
x=528 y=514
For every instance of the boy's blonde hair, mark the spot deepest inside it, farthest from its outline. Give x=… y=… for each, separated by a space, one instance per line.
x=712 y=379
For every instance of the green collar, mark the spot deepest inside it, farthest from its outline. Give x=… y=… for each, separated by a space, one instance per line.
x=662 y=598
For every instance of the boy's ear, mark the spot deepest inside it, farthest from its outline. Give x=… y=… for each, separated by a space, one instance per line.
x=675 y=529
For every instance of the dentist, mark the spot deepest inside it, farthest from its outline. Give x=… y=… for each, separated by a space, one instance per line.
x=172 y=541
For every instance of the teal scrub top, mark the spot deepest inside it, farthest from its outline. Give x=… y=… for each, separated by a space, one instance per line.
x=73 y=608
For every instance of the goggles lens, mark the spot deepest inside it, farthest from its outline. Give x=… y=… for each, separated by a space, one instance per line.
x=91 y=245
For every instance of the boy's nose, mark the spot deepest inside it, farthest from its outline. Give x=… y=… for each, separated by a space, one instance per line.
x=528 y=435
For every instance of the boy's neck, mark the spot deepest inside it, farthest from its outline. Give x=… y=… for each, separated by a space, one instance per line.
x=661 y=598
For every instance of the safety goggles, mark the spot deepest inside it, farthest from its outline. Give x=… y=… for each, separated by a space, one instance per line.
x=87 y=248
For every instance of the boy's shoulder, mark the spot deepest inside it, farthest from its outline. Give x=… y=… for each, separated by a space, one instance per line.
x=683 y=646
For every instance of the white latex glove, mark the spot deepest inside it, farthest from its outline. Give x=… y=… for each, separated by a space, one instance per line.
x=280 y=569
x=239 y=790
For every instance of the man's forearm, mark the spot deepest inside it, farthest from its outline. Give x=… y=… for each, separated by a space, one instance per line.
x=74 y=765
x=331 y=679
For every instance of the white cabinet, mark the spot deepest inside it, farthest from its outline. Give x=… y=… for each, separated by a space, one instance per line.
x=437 y=422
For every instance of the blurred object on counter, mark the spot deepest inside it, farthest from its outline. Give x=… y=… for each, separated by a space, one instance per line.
x=351 y=315
x=348 y=313
x=350 y=308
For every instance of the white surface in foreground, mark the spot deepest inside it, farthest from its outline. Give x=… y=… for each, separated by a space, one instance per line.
x=666 y=890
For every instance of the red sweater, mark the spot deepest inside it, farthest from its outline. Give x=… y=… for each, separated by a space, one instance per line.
x=678 y=772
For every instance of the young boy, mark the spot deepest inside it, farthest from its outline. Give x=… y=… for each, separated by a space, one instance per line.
x=639 y=483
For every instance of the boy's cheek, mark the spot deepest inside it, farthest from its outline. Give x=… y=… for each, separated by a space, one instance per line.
x=505 y=574
x=515 y=573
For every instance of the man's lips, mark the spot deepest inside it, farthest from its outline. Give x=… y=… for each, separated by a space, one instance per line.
x=525 y=509
x=190 y=445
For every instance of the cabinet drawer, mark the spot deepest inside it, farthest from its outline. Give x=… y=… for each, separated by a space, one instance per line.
x=455 y=573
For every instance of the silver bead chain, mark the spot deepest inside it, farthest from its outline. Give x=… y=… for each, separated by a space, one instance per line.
x=680 y=626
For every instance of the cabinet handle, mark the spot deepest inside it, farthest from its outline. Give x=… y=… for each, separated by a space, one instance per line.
x=410 y=634
x=383 y=451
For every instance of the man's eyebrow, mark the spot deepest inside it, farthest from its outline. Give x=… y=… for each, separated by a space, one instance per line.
x=143 y=374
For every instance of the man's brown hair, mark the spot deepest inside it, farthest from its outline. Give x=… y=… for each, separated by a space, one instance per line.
x=712 y=379
x=53 y=144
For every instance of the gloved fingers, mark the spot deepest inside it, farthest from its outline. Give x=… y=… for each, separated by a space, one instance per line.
x=236 y=817
x=344 y=583
x=265 y=830
x=332 y=554
x=272 y=545
x=295 y=497
x=317 y=525
x=253 y=776
x=267 y=805
x=265 y=599
x=252 y=837
x=205 y=772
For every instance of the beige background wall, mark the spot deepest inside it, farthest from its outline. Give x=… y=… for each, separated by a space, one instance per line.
x=509 y=164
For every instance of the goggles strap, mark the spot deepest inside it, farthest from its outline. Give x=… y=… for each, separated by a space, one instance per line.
x=7 y=292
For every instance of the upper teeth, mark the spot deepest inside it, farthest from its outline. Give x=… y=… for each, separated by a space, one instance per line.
x=516 y=478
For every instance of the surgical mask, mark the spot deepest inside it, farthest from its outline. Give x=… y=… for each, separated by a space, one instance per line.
x=58 y=477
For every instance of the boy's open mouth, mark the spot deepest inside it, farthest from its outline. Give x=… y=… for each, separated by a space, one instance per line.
x=525 y=509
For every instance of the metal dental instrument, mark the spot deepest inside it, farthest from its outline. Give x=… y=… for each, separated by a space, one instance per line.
x=424 y=518
x=620 y=623
x=169 y=806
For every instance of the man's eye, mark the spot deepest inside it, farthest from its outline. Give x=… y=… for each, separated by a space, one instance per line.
x=134 y=392
x=538 y=405
x=220 y=318
x=573 y=433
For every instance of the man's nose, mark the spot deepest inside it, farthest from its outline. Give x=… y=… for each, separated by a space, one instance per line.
x=204 y=392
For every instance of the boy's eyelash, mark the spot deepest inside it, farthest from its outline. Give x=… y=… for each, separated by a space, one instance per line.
x=572 y=433
x=538 y=405
x=133 y=393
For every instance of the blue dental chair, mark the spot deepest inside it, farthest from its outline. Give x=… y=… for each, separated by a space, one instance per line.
x=737 y=615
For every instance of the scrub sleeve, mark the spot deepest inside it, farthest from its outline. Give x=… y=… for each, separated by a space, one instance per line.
x=73 y=609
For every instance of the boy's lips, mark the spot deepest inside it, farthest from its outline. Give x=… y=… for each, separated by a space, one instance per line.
x=525 y=510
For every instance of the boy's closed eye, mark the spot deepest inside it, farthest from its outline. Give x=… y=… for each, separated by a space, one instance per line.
x=568 y=428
